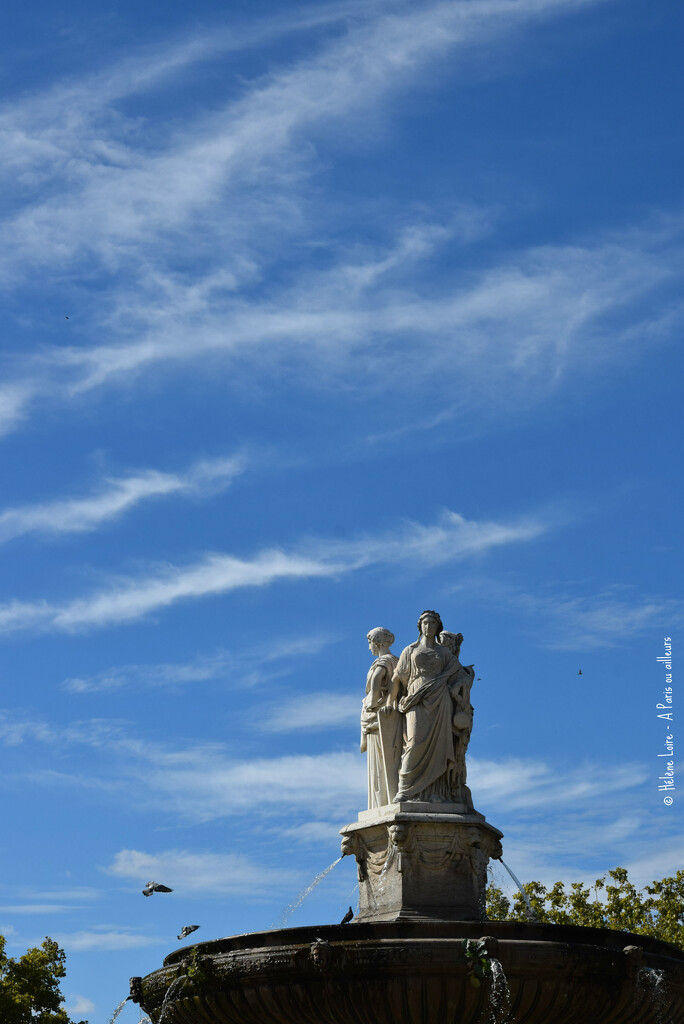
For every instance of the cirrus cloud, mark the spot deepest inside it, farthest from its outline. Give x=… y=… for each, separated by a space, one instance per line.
x=452 y=538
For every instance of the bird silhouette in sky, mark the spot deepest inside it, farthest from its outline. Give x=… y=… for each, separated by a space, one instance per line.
x=155 y=887
x=580 y=672
x=187 y=929
x=347 y=917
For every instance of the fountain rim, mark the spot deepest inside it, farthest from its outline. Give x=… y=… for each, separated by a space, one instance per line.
x=368 y=931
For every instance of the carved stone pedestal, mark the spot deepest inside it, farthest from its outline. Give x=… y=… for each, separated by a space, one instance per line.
x=421 y=861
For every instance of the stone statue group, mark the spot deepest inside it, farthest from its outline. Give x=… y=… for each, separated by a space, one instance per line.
x=416 y=718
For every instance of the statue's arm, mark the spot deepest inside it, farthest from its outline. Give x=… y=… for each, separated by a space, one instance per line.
x=401 y=676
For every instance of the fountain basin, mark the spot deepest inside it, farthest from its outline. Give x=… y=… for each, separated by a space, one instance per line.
x=418 y=971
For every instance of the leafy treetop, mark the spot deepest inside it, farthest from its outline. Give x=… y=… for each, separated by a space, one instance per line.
x=657 y=910
x=29 y=986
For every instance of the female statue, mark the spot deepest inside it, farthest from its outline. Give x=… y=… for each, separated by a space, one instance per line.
x=425 y=673
x=381 y=726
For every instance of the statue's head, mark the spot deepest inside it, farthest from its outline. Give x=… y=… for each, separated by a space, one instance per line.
x=380 y=637
x=451 y=640
x=435 y=620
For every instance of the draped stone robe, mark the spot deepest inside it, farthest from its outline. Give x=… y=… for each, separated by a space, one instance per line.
x=428 y=762
x=381 y=733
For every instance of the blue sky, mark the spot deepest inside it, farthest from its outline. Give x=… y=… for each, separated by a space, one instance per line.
x=315 y=317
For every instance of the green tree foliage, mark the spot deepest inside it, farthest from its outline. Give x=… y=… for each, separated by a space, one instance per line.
x=612 y=902
x=29 y=986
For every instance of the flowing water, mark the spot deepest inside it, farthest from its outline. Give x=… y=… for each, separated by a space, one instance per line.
x=380 y=887
x=531 y=916
x=369 y=893
x=296 y=903
x=171 y=991
x=499 y=994
x=118 y=1010
x=656 y=983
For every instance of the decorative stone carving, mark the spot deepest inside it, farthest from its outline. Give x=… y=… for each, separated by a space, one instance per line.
x=321 y=953
x=325 y=957
x=354 y=845
x=381 y=726
x=400 y=843
x=423 y=866
x=136 y=990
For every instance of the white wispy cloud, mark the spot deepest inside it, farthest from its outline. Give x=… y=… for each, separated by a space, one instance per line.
x=662 y=859
x=228 y=189
x=203 y=781
x=46 y=130
x=106 y=941
x=191 y=871
x=586 y=622
x=117 y=496
x=15 y=399
x=518 y=329
x=234 y=665
x=312 y=711
x=37 y=908
x=112 y=195
x=76 y=1005
x=611 y=617
x=520 y=783
x=313 y=832
x=279 y=786
x=582 y=845
x=569 y=821
x=14 y=731
x=199 y=782
x=527 y=319
x=451 y=539
x=80 y=892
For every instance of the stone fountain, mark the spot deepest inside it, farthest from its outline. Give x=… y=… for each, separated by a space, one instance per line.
x=420 y=948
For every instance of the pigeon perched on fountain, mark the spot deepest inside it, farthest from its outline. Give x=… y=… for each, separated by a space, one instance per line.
x=187 y=929
x=155 y=887
x=347 y=917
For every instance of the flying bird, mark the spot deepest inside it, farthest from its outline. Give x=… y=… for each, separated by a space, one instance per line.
x=66 y=317
x=347 y=917
x=188 y=929
x=155 y=887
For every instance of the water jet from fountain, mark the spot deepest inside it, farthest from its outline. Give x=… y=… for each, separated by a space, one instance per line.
x=531 y=916
x=297 y=902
